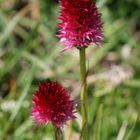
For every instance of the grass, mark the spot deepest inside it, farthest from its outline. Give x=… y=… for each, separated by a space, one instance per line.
x=30 y=54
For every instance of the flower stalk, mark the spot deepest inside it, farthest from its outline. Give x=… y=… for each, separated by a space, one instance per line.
x=83 y=93
x=58 y=133
x=69 y=130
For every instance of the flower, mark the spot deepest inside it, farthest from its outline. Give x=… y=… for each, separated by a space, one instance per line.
x=80 y=24
x=52 y=103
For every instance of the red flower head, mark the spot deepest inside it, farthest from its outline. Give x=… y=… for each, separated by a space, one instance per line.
x=52 y=103
x=81 y=23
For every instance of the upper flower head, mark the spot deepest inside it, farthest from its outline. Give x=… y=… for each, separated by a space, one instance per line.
x=80 y=23
x=52 y=103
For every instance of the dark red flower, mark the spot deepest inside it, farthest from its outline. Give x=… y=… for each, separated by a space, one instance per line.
x=52 y=103
x=81 y=23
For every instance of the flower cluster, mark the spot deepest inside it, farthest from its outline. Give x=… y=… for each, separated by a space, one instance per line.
x=52 y=103
x=80 y=24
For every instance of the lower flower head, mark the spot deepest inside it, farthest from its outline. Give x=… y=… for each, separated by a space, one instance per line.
x=52 y=103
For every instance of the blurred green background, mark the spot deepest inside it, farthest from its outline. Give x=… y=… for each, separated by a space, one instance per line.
x=30 y=54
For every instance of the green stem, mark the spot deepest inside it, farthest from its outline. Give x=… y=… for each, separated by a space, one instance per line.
x=69 y=130
x=83 y=94
x=57 y=133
